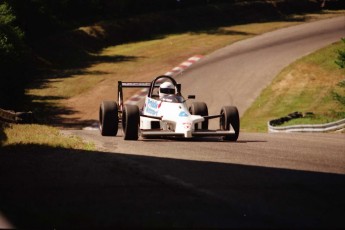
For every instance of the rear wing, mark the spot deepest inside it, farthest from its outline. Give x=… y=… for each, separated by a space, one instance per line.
x=122 y=85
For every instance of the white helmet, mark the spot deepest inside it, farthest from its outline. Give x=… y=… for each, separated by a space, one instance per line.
x=166 y=88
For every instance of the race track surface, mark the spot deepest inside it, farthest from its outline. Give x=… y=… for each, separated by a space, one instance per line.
x=262 y=180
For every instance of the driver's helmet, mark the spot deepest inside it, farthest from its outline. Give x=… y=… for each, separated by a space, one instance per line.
x=166 y=88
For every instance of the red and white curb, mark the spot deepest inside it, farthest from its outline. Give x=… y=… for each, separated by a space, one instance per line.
x=175 y=71
x=142 y=93
x=184 y=65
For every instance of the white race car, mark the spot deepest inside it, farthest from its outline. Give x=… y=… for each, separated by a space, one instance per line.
x=164 y=114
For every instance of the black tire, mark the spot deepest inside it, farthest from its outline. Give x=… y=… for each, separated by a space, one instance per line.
x=130 y=122
x=230 y=116
x=108 y=118
x=200 y=108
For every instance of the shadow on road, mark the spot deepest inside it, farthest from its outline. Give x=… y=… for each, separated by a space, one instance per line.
x=62 y=188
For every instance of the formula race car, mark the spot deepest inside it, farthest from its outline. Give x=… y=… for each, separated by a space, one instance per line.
x=164 y=114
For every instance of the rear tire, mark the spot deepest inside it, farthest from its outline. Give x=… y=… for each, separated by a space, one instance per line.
x=108 y=118
x=130 y=122
x=230 y=116
x=200 y=108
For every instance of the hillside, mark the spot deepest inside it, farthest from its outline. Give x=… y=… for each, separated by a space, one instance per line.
x=71 y=63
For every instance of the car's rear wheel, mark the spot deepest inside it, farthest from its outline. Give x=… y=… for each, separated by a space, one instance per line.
x=108 y=118
x=199 y=108
x=130 y=122
x=229 y=117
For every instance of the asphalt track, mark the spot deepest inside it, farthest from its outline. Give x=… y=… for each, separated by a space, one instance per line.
x=263 y=180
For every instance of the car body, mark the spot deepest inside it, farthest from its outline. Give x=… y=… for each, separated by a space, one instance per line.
x=167 y=116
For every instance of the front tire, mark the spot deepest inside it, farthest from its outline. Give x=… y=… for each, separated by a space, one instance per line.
x=108 y=118
x=130 y=122
x=200 y=108
x=230 y=116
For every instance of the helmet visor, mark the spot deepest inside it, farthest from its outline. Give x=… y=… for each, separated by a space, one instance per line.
x=167 y=91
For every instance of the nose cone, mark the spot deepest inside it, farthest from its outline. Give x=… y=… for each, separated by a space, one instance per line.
x=186 y=124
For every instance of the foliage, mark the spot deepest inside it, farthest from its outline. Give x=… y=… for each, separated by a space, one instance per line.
x=341 y=56
x=340 y=96
x=10 y=36
x=13 y=53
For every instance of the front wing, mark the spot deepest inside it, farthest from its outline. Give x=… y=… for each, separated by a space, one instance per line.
x=197 y=133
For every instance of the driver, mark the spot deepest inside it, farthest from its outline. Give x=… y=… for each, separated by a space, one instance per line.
x=166 y=89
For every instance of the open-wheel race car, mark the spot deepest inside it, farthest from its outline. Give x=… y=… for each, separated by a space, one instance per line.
x=164 y=114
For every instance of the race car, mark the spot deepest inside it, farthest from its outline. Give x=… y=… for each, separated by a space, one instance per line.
x=164 y=114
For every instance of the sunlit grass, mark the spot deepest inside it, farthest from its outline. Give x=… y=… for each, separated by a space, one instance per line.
x=317 y=119
x=304 y=86
x=68 y=87
x=42 y=135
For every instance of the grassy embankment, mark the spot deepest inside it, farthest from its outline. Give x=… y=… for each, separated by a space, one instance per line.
x=41 y=135
x=307 y=85
x=148 y=57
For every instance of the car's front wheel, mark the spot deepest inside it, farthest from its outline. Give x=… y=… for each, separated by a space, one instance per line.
x=108 y=118
x=230 y=116
x=130 y=122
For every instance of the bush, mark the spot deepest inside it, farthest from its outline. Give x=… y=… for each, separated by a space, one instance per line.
x=341 y=63
x=341 y=56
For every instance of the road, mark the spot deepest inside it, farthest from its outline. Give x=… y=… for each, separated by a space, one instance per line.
x=263 y=180
x=293 y=151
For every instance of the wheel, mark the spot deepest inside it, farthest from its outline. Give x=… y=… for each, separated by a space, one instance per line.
x=108 y=118
x=130 y=122
x=199 y=108
x=230 y=116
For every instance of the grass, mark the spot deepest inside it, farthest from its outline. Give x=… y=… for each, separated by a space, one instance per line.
x=66 y=88
x=20 y=134
x=307 y=85
x=316 y=119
